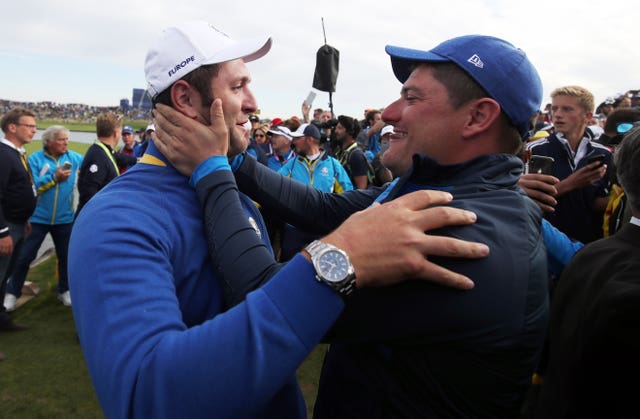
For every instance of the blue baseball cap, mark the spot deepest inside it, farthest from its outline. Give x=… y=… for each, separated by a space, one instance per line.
x=307 y=130
x=127 y=129
x=502 y=70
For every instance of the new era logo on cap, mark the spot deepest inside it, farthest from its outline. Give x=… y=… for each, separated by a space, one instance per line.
x=504 y=71
x=475 y=60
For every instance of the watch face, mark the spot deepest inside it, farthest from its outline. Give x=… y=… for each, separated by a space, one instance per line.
x=333 y=266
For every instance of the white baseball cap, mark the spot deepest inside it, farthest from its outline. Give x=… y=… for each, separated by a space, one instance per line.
x=284 y=131
x=185 y=47
x=386 y=130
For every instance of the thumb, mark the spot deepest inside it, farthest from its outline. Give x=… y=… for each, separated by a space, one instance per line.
x=216 y=115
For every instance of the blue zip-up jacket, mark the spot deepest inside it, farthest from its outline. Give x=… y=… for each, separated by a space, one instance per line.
x=324 y=173
x=419 y=349
x=55 y=200
x=158 y=338
x=275 y=162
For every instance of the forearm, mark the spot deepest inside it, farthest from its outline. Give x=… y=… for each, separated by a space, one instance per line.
x=232 y=240
x=233 y=364
x=560 y=248
x=299 y=204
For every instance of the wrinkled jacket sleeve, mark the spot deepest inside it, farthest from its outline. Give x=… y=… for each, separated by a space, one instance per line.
x=232 y=240
x=301 y=205
x=144 y=360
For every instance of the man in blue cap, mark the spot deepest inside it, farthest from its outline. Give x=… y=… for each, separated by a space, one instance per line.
x=424 y=350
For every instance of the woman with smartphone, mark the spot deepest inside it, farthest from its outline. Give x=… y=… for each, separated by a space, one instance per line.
x=54 y=171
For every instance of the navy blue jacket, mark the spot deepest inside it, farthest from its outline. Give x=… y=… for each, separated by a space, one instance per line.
x=573 y=214
x=419 y=349
x=17 y=193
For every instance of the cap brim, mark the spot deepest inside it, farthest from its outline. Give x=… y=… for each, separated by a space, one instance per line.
x=246 y=50
x=403 y=58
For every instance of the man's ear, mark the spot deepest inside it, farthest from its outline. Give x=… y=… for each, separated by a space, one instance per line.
x=482 y=115
x=185 y=99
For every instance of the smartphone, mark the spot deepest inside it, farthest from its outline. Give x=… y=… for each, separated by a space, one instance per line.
x=597 y=158
x=542 y=165
x=310 y=97
x=66 y=165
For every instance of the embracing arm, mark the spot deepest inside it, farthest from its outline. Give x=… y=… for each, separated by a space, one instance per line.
x=299 y=204
x=147 y=357
x=232 y=240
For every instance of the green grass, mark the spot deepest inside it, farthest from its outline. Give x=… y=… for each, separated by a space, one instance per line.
x=45 y=374
x=85 y=126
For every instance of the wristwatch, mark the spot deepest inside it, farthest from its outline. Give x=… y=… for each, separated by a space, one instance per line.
x=332 y=267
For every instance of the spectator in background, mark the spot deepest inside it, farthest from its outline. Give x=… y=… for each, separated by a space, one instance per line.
x=622 y=102
x=594 y=342
x=17 y=197
x=255 y=122
x=99 y=166
x=617 y=124
x=129 y=141
x=381 y=173
x=317 y=116
x=54 y=171
x=259 y=135
x=584 y=184
x=605 y=108
x=315 y=168
x=369 y=137
x=281 y=145
x=148 y=136
x=253 y=148
x=349 y=154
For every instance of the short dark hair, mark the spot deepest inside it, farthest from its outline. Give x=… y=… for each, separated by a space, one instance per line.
x=200 y=79
x=628 y=169
x=620 y=116
x=371 y=115
x=13 y=117
x=462 y=88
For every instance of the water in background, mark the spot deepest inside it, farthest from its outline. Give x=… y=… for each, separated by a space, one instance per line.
x=77 y=136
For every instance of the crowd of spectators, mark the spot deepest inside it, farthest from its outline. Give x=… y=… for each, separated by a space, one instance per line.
x=71 y=112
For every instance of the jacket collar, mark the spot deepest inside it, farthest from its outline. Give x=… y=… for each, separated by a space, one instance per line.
x=486 y=172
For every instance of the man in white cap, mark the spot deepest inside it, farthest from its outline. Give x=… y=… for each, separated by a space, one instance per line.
x=281 y=146
x=155 y=311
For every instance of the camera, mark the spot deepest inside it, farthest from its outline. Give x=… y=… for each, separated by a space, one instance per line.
x=330 y=124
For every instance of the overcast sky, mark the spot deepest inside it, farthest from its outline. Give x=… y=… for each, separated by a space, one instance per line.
x=93 y=51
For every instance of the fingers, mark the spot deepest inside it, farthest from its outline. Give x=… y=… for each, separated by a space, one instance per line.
x=538 y=177
x=439 y=275
x=421 y=199
x=544 y=200
x=438 y=217
x=534 y=186
x=167 y=120
x=451 y=247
